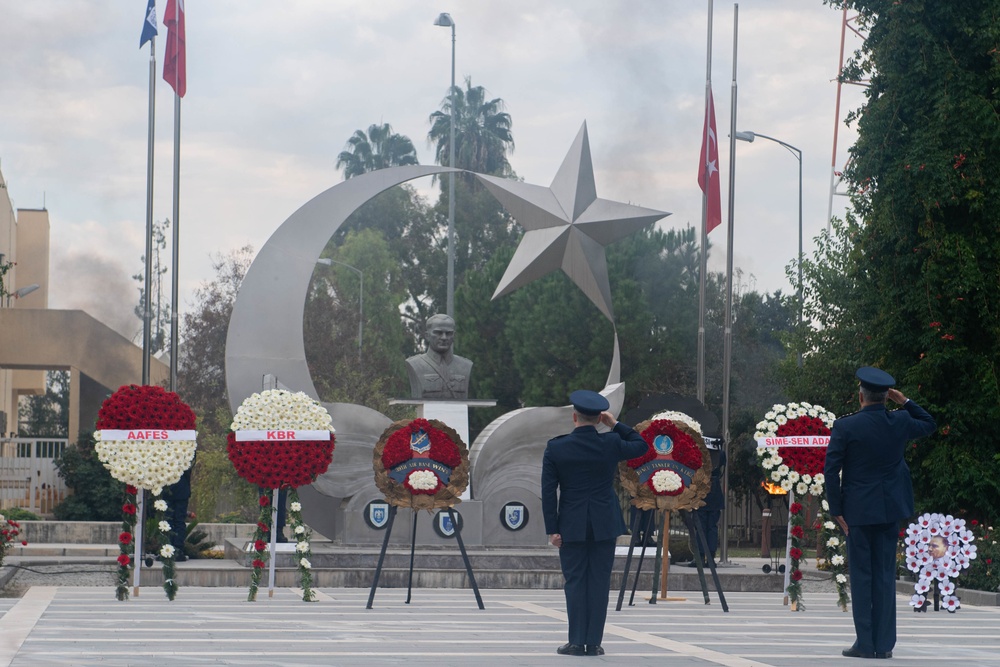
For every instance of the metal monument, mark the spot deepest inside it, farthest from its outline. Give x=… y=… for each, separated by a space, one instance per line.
x=567 y=227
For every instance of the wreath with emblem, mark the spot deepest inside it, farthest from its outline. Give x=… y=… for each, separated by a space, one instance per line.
x=674 y=473
x=421 y=464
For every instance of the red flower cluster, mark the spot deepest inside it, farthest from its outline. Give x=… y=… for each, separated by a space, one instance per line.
x=685 y=450
x=795 y=508
x=145 y=406
x=9 y=535
x=128 y=508
x=797 y=531
x=124 y=560
x=275 y=465
x=125 y=537
x=803 y=460
x=796 y=575
x=258 y=563
x=795 y=553
x=397 y=447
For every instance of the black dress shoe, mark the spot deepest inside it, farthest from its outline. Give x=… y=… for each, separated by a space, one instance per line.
x=882 y=655
x=571 y=649
x=853 y=652
x=595 y=650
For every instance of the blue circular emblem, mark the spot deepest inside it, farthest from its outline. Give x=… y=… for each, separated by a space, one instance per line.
x=663 y=444
x=514 y=516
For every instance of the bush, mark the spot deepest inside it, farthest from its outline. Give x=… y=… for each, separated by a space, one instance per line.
x=20 y=514
x=97 y=496
x=984 y=571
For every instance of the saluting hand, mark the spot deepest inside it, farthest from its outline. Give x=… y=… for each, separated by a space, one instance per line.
x=608 y=419
x=896 y=396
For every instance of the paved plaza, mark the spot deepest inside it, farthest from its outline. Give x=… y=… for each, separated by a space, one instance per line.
x=75 y=625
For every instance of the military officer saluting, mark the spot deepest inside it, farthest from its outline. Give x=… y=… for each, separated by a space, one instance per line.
x=869 y=489
x=586 y=520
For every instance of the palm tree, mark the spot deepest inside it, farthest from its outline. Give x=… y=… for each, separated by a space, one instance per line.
x=482 y=131
x=378 y=149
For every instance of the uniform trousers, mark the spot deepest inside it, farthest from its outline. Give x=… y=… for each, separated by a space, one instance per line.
x=871 y=551
x=587 y=567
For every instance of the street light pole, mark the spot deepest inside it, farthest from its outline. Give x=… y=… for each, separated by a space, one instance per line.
x=326 y=261
x=749 y=137
x=445 y=20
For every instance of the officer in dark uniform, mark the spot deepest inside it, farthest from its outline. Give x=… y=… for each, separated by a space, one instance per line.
x=708 y=515
x=586 y=520
x=177 y=496
x=869 y=489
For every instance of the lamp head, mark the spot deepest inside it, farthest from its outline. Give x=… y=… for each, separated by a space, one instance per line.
x=745 y=136
x=444 y=19
x=24 y=291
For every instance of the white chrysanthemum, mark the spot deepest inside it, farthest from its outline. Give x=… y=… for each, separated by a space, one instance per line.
x=302 y=547
x=829 y=525
x=305 y=563
x=841 y=579
x=300 y=529
x=781 y=420
x=423 y=480
x=767 y=463
x=146 y=464
x=786 y=485
x=770 y=415
x=833 y=541
x=783 y=469
x=758 y=435
x=679 y=418
x=837 y=560
x=160 y=505
x=826 y=506
x=164 y=526
x=775 y=476
x=666 y=481
x=819 y=478
x=801 y=488
x=807 y=478
x=167 y=551
x=295 y=507
x=277 y=409
x=793 y=476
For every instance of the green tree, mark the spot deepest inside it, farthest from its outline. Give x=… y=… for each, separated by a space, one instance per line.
x=331 y=324
x=201 y=377
x=97 y=496
x=46 y=415
x=379 y=148
x=483 y=138
x=924 y=184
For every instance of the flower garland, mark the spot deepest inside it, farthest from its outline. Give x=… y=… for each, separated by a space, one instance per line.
x=126 y=544
x=797 y=530
x=679 y=418
x=261 y=541
x=8 y=535
x=167 y=550
x=148 y=459
x=836 y=561
x=797 y=469
x=274 y=464
x=303 y=552
x=421 y=463
x=938 y=548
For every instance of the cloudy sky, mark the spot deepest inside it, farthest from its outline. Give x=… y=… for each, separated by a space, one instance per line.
x=276 y=88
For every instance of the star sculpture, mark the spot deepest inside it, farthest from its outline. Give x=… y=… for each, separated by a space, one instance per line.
x=567 y=226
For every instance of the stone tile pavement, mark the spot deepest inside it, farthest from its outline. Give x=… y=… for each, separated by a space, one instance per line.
x=64 y=625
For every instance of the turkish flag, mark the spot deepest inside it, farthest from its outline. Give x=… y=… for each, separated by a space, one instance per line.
x=174 y=61
x=708 y=169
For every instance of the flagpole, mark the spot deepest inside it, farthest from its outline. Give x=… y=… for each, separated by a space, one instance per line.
x=704 y=221
x=147 y=285
x=174 y=288
x=727 y=362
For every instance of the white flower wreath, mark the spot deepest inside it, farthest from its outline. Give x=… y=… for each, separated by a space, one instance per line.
x=774 y=468
x=938 y=548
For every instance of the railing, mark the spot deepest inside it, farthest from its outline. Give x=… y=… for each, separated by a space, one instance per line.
x=28 y=476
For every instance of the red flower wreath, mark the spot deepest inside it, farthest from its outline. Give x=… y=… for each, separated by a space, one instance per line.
x=397 y=447
x=685 y=450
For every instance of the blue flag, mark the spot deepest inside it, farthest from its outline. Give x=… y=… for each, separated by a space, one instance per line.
x=149 y=25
